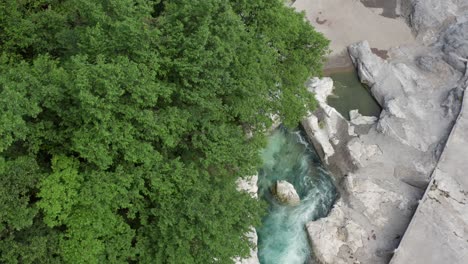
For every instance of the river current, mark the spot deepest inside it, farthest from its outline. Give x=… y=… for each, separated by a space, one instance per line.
x=282 y=236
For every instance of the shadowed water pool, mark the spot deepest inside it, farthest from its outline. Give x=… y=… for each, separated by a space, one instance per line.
x=282 y=236
x=350 y=94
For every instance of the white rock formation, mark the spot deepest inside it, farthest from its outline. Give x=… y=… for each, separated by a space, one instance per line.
x=438 y=232
x=362 y=152
x=328 y=130
x=357 y=119
x=335 y=235
x=322 y=88
x=393 y=161
x=286 y=194
x=249 y=185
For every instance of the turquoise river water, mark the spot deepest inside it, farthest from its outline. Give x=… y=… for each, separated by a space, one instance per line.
x=282 y=236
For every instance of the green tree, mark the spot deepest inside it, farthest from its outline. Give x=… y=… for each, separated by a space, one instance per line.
x=123 y=124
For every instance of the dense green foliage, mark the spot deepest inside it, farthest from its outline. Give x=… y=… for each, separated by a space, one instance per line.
x=122 y=124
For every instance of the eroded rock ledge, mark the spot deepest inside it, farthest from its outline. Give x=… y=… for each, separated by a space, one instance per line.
x=438 y=231
x=388 y=167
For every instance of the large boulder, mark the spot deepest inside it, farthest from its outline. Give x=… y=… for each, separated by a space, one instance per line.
x=366 y=62
x=327 y=129
x=357 y=119
x=286 y=194
x=428 y=17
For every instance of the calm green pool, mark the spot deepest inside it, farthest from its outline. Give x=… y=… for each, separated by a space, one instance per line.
x=350 y=94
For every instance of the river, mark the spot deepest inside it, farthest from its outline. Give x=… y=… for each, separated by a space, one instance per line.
x=282 y=236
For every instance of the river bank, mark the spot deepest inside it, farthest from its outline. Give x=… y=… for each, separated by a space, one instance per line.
x=386 y=168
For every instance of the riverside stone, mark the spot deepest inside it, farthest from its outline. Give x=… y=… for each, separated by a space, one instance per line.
x=336 y=235
x=358 y=119
x=286 y=194
x=328 y=130
x=321 y=87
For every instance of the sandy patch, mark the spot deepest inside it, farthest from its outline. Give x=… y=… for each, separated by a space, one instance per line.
x=348 y=21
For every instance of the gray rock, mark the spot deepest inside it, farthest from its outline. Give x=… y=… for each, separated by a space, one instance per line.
x=438 y=231
x=362 y=152
x=328 y=130
x=453 y=102
x=428 y=17
x=428 y=63
x=366 y=62
x=285 y=193
x=455 y=45
x=393 y=161
x=357 y=119
x=321 y=87
x=335 y=238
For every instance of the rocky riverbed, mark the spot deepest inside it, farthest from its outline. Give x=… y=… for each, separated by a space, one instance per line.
x=401 y=177
x=385 y=168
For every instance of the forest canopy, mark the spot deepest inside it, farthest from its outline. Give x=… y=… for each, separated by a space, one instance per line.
x=123 y=124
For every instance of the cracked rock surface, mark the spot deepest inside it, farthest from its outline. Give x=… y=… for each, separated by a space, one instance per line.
x=438 y=232
x=396 y=162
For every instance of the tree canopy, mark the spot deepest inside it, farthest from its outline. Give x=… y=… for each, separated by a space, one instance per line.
x=123 y=124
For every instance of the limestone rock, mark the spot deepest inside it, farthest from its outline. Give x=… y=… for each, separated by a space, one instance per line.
x=286 y=194
x=428 y=17
x=452 y=103
x=248 y=184
x=438 y=231
x=321 y=87
x=327 y=129
x=361 y=152
x=320 y=137
x=336 y=238
x=394 y=109
x=367 y=63
x=419 y=88
x=358 y=119
x=253 y=258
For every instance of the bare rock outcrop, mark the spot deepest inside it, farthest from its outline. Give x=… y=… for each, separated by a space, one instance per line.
x=336 y=235
x=438 y=232
x=385 y=170
x=328 y=130
x=392 y=161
